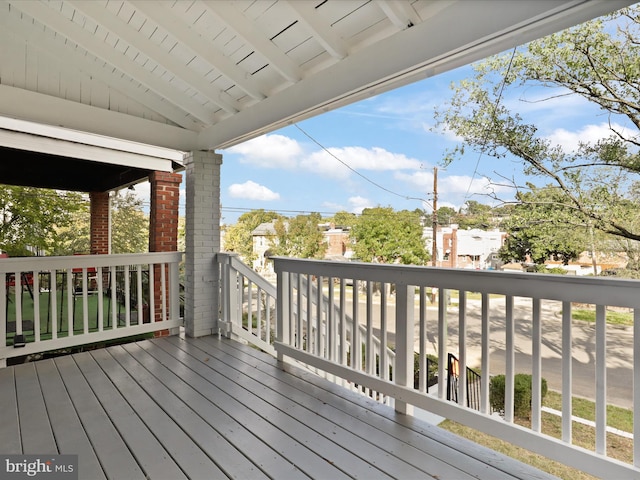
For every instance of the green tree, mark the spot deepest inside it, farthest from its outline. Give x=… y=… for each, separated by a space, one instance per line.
x=299 y=237
x=30 y=217
x=238 y=237
x=129 y=224
x=596 y=61
x=475 y=215
x=129 y=228
x=447 y=216
x=74 y=237
x=386 y=236
x=344 y=219
x=537 y=230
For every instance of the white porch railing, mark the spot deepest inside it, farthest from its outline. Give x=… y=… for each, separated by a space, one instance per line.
x=316 y=335
x=246 y=295
x=52 y=303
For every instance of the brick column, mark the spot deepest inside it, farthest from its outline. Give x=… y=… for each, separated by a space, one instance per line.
x=202 y=284
x=163 y=219
x=163 y=224
x=100 y=235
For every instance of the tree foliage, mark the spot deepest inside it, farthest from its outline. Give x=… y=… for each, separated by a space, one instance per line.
x=597 y=61
x=74 y=237
x=30 y=217
x=344 y=219
x=475 y=215
x=129 y=224
x=386 y=236
x=129 y=228
x=238 y=237
x=299 y=237
x=538 y=230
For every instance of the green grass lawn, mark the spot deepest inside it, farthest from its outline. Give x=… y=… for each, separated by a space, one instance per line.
x=613 y=317
x=618 y=447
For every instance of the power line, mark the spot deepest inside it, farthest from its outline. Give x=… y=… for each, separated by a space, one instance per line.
x=495 y=108
x=364 y=177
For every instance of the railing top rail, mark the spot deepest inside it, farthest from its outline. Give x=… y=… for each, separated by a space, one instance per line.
x=593 y=290
x=10 y=265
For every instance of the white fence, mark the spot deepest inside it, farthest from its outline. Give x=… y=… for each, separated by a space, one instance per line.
x=246 y=295
x=497 y=315
x=52 y=303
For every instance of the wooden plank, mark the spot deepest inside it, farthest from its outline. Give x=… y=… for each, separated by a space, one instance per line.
x=66 y=425
x=344 y=450
x=421 y=459
x=185 y=453
x=9 y=422
x=427 y=463
x=460 y=453
x=154 y=460
x=181 y=404
x=278 y=432
x=113 y=453
x=37 y=437
x=232 y=420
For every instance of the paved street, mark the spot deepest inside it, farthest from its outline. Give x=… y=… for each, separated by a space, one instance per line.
x=619 y=346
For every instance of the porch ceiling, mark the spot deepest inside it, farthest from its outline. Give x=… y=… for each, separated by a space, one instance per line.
x=192 y=75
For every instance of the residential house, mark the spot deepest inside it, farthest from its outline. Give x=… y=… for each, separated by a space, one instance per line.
x=471 y=248
x=263 y=237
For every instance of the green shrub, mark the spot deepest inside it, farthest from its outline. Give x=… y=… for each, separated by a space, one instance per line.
x=432 y=370
x=521 y=394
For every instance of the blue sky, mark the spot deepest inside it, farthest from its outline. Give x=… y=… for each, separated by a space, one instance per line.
x=388 y=140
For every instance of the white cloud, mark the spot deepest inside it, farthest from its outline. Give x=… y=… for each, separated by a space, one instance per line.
x=269 y=151
x=357 y=158
x=590 y=133
x=252 y=191
x=358 y=204
x=278 y=151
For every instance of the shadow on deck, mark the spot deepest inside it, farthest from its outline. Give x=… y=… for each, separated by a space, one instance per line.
x=213 y=408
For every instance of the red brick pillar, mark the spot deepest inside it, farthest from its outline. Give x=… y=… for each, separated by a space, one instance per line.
x=100 y=224
x=163 y=224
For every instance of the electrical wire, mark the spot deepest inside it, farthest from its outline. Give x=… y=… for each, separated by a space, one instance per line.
x=364 y=177
x=495 y=108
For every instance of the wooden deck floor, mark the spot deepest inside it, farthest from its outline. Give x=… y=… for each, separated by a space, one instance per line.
x=212 y=408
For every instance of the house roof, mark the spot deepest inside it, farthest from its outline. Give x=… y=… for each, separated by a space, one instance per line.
x=194 y=75
x=266 y=229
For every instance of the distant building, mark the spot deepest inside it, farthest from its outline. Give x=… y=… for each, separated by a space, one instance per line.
x=473 y=248
x=264 y=237
x=338 y=242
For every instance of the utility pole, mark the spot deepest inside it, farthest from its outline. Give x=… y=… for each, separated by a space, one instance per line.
x=434 y=249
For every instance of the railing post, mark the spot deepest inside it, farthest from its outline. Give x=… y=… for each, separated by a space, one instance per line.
x=283 y=315
x=225 y=291
x=174 y=291
x=404 y=342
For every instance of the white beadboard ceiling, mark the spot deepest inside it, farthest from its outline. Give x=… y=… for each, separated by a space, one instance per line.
x=197 y=74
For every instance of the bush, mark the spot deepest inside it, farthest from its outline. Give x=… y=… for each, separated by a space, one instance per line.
x=521 y=394
x=432 y=370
